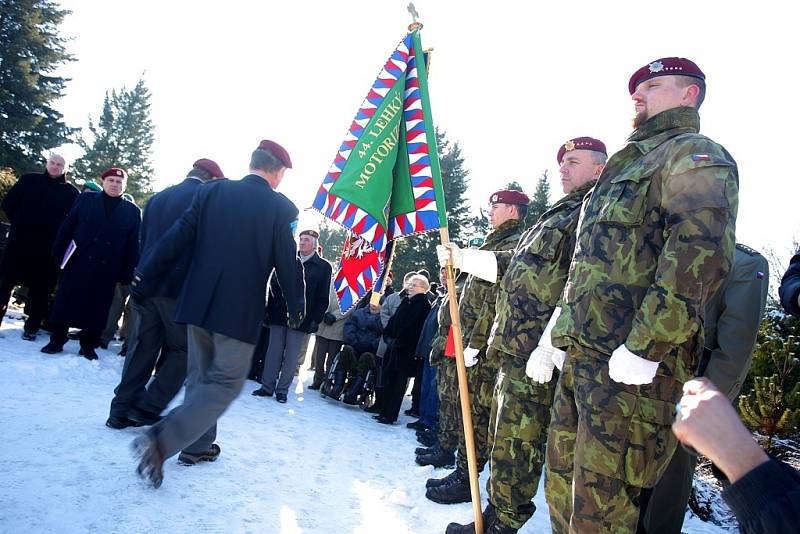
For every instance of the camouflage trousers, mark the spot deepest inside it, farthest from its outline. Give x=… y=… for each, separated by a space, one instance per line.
x=520 y=415
x=606 y=442
x=449 y=409
x=481 y=382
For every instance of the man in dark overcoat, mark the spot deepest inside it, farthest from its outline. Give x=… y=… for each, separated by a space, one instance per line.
x=36 y=206
x=97 y=247
x=153 y=330
x=238 y=232
x=285 y=342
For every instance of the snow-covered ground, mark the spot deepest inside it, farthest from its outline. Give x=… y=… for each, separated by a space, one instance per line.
x=312 y=465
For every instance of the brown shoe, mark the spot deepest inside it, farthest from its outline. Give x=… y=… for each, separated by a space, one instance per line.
x=193 y=458
x=151 y=461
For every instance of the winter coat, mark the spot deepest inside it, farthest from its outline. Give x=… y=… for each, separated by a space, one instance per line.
x=335 y=331
x=402 y=334
x=36 y=206
x=107 y=250
x=388 y=307
x=317 y=276
x=362 y=331
x=160 y=213
x=429 y=329
x=238 y=231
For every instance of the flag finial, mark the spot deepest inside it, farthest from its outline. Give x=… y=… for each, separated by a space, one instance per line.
x=414 y=15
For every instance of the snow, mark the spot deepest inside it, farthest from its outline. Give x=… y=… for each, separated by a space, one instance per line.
x=311 y=465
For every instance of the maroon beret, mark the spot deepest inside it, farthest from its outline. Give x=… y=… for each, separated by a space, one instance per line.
x=276 y=150
x=312 y=233
x=114 y=171
x=510 y=196
x=210 y=167
x=666 y=66
x=581 y=143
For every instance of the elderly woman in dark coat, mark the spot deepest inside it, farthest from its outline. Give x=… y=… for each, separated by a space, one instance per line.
x=103 y=229
x=402 y=333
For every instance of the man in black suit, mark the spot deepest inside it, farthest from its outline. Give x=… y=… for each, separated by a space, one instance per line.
x=238 y=231
x=153 y=331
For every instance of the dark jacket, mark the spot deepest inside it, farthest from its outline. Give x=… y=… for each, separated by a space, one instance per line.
x=106 y=254
x=767 y=499
x=36 y=206
x=429 y=329
x=317 y=277
x=160 y=213
x=238 y=231
x=362 y=330
x=790 y=286
x=404 y=328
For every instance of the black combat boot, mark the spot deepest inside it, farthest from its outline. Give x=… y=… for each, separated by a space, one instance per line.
x=440 y=458
x=489 y=518
x=434 y=482
x=455 y=492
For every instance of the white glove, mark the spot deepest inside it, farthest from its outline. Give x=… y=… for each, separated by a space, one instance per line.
x=481 y=263
x=540 y=365
x=559 y=357
x=628 y=368
x=470 y=356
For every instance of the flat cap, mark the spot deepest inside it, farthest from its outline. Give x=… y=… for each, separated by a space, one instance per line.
x=581 y=143
x=276 y=150
x=666 y=66
x=312 y=233
x=114 y=171
x=510 y=196
x=210 y=166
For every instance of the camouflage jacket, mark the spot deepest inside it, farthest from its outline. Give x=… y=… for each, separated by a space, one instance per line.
x=655 y=241
x=440 y=339
x=476 y=308
x=534 y=277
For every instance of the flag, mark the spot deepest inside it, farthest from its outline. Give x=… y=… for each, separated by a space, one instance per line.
x=385 y=182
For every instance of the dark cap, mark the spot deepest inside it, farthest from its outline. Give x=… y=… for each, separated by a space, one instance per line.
x=114 y=171
x=276 y=150
x=666 y=66
x=312 y=233
x=510 y=196
x=581 y=143
x=210 y=166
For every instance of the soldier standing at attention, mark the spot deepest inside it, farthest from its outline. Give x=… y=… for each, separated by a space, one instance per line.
x=507 y=209
x=535 y=273
x=655 y=241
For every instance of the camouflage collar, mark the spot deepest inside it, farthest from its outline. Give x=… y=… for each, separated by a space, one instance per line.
x=577 y=193
x=501 y=232
x=664 y=126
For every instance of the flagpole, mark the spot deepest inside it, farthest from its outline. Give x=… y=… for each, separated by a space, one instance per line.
x=375 y=297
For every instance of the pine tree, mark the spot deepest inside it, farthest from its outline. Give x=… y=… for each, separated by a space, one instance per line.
x=540 y=202
x=7 y=180
x=419 y=252
x=30 y=51
x=122 y=137
x=331 y=239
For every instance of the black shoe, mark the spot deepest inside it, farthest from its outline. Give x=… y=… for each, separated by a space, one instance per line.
x=421 y=451
x=426 y=439
x=435 y=482
x=280 y=397
x=412 y=412
x=441 y=458
x=89 y=354
x=373 y=409
x=194 y=458
x=103 y=344
x=142 y=417
x=315 y=386
x=384 y=420
x=261 y=392
x=455 y=492
x=417 y=425
x=151 y=461
x=124 y=350
x=491 y=524
x=53 y=348
x=29 y=336
x=118 y=423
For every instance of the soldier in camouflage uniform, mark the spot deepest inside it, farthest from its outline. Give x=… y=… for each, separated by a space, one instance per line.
x=533 y=277
x=655 y=241
x=476 y=311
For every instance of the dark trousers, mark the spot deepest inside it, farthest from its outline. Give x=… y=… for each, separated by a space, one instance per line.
x=394 y=391
x=663 y=506
x=324 y=351
x=152 y=332
x=429 y=398
x=90 y=339
x=416 y=389
x=118 y=306
x=35 y=303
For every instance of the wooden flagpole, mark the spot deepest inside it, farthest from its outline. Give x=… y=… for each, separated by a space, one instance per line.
x=461 y=368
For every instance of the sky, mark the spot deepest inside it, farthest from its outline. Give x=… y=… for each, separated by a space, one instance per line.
x=509 y=81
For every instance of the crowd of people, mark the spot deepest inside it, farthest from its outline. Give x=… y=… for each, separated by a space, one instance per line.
x=626 y=304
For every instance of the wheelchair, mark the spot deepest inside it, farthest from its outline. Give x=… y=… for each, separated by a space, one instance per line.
x=351 y=379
